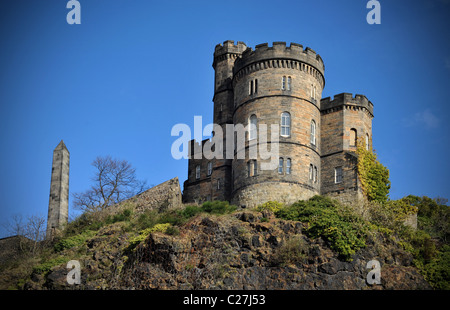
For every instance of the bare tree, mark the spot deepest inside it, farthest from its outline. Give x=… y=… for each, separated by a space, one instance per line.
x=114 y=181
x=33 y=229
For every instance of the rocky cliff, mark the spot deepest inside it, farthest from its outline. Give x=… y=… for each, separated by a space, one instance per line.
x=239 y=250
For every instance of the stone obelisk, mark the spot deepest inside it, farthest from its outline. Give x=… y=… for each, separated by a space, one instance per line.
x=58 y=206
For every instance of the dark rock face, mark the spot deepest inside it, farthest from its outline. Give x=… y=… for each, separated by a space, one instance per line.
x=238 y=251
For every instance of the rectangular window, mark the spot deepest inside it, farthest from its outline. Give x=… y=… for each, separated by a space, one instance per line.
x=315 y=174
x=209 y=168
x=288 y=166
x=289 y=83
x=255 y=168
x=197 y=172
x=338 y=175
x=280 y=165
x=249 y=169
x=283 y=83
x=250 y=87
x=311 y=172
x=256 y=86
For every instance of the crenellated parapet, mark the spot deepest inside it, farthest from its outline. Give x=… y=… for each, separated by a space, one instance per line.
x=280 y=56
x=346 y=101
x=228 y=50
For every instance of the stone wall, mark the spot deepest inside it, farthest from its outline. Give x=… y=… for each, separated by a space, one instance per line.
x=160 y=197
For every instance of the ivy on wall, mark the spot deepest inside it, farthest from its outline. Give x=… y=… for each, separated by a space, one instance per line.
x=373 y=175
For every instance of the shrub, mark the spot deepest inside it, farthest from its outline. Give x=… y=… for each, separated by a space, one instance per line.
x=338 y=225
x=73 y=241
x=272 y=206
x=46 y=266
x=292 y=251
x=123 y=216
x=190 y=211
x=437 y=272
x=218 y=207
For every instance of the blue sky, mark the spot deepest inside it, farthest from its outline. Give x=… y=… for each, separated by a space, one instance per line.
x=117 y=83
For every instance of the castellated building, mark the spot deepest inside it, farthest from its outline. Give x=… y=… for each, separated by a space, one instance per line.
x=281 y=85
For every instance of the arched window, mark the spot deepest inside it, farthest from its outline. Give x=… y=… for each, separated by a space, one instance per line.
x=197 y=172
x=288 y=166
x=252 y=129
x=353 y=137
x=367 y=141
x=285 y=124
x=313 y=132
x=280 y=165
x=315 y=174
x=311 y=171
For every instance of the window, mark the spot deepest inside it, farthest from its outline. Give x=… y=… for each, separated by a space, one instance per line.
x=338 y=175
x=288 y=166
x=286 y=83
x=252 y=129
x=197 y=172
x=367 y=142
x=315 y=174
x=285 y=124
x=209 y=168
x=311 y=172
x=218 y=184
x=253 y=87
x=313 y=132
x=252 y=168
x=353 y=137
x=280 y=165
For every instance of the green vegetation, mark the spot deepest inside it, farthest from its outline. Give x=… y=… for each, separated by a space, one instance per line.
x=273 y=206
x=338 y=225
x=47 y=265
x=73 y=241
x=295 y=249
x=373 y=175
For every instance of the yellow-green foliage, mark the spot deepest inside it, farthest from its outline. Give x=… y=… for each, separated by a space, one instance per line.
x=273 y=206
x=373 y=175
x=46 y=266
x=73 y=241
x=143 y=234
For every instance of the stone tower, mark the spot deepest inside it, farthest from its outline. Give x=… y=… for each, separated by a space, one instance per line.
x=58 y=207
x=279 y=86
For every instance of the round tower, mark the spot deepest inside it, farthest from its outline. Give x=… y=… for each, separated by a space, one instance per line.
x=278 y=85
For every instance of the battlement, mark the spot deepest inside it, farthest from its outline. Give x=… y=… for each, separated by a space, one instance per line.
x=346 y=99
x=228 y=49
x=279 y=50
x=195 y=147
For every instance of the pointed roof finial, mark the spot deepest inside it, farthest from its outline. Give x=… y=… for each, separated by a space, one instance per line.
x=61 y=146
